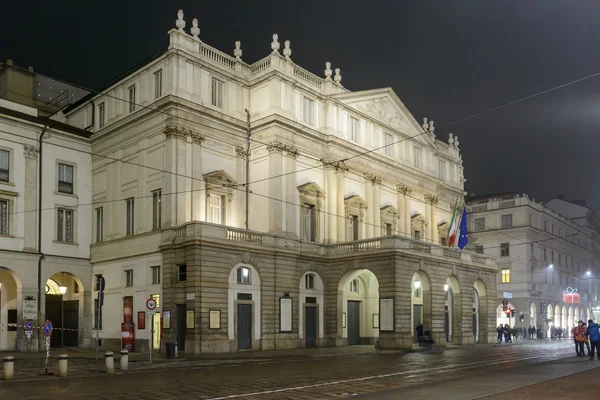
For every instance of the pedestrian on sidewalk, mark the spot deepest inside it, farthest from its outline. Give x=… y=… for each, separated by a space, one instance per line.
x=507 y=334
x=579 y=338
x=593 y=332
x=499 y=330
x=586 y=340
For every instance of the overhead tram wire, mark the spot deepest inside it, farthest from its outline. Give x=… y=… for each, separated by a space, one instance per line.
x=358 y=155
x=233 y=188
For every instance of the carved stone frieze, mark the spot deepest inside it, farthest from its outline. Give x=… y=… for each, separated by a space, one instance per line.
x=30 y=151
x=377 y=109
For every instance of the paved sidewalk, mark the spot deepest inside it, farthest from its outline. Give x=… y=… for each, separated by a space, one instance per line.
x=503 y=383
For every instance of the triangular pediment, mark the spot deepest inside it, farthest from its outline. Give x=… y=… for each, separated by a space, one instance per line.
x=355 y=200
x=219 y=177
x=384 y=106
x=389 y=209
x=311 y=188
x=418 y=218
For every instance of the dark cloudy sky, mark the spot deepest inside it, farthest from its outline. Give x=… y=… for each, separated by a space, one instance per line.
x=446 y=59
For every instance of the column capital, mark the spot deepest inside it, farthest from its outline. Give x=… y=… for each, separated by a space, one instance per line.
x=196 y=138
x=279 y=147
x=431 y=199
x=241 y=151
x=175 y=132
x=30 y=151
x=404 y=189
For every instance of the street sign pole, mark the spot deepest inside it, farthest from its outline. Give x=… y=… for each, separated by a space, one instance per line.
x=101 y=283
x=151 y=305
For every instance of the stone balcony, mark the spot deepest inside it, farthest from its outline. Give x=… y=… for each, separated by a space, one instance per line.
x=228 y=236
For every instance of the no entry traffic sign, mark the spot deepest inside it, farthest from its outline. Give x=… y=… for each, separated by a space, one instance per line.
x=28 y=326
x=48 y=328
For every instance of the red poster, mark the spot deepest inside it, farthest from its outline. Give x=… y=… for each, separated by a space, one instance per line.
x=128 y=310
x=141 y=320
x=128 y=336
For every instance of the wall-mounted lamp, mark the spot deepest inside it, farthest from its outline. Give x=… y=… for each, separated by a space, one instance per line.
x=417 y=284
x=446 y=287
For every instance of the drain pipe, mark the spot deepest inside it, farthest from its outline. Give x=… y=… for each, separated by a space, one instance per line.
x=41 y=255
x=249 y=134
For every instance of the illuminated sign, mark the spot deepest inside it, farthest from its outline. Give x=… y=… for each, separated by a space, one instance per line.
x=507 y=295
x=570 y=295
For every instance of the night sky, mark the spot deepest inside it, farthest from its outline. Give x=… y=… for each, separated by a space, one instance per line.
x=446 y=60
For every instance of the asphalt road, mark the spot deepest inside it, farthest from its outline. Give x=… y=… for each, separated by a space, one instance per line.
x=299 y=376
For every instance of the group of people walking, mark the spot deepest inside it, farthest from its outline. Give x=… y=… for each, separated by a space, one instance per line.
x=534 y=333
x=587 y=335
x=507 y=333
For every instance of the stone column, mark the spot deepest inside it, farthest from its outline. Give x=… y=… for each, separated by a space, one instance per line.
x=432 y=219
x=377 y=228
x=341 y=209
x=369 y=223
x=170 y=199
x=404 y=192
x=30 y=217
x=291 y=193
x=184 y=184
x=276 y=188
x=198 y=206
x=331 y=208
x=142 y=213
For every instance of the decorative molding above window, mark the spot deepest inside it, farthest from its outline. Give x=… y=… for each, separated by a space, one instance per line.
x=418 y=223
x=388 y=215
x=219 y=179
x=355 y=205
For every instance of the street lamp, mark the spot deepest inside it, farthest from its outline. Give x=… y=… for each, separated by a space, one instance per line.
x=62 y=288
x=588 y=273
x=446 y=287
x=551 y=266
x=417 y=284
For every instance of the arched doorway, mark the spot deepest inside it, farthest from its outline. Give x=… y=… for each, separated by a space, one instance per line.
x=310 y=315
x=10 y=309
x=557 y=321
x=244 y=308
x=420 y=303
x=533 y=315
x=64 y=306
x=480 y=313
x=358 y=300
x=452 y=320
x=549 y=319
x=504 y=318
x=564 y=318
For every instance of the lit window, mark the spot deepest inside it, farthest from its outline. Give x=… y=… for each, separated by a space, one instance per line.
x=354 y=286
x=158 y=84
x=217 y=93
x=243 y=276
x=131 y=98
x=216 y=209
x=310 y=223
x=505 y=275
x=64 y=226
x=65 y=178
x=309 y=281
x=308 y=111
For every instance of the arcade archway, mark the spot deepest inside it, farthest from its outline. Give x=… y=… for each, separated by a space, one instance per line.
x=358 y=300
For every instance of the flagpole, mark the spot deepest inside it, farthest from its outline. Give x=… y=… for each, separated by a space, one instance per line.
x=458 y=222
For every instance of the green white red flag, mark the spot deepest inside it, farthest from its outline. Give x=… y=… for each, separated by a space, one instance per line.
x=452 y=234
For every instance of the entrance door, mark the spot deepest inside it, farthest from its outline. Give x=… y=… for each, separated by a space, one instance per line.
x=417 y=309
x=244 y=326
x=353 y=323
x=54 y=314
x=311 y=326
x=475 y=325
x=71 y=323
x=156 y=335
x=447 y=325
x=181 y=328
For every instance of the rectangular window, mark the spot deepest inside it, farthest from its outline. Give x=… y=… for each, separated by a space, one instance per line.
x=97 y=282
x=442 y=170
x=99 y=224
x=309 y=281
x=129 y=214
x=243 y=276
x=308 y=109
x=545 y=226
x=504 y=250
x=444 y=241
x=353 y=228
x=129 y=278
x=506 y=220
x=4 y=217
x=64 y=225
x=97 y=315
x=158 y=84
x=182 y=273
x=216 y=211
x=131 y=91
x=4 y=165
x=479 y=224
x=417 y=157
x=65 y=178
x=388 y=230
x=505 y=275
x=353 y=126
x=217 y=93
x=155 y=274
x=479 y=249
x=387 y=141
x=101 y=115
x=156 y=209
x=310 y=223
x=417 y=235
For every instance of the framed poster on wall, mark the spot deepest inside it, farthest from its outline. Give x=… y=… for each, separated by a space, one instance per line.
x=214 y=319
x=190 y=319
x=141 y=320
x=166 y=320
x=343 y=320
x=386 y=314
x=375 y=321
x=285 y=314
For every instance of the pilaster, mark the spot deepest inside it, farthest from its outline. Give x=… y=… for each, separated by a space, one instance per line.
x=276 y=188
x=340 y=214
x=377 y=229
x=331 y=208
x=292 y=209
x=369 y=220
x=30 y=217
x=404 y=192
x=198 y=206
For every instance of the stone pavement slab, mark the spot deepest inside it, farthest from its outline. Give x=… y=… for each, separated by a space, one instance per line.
x=475 y=386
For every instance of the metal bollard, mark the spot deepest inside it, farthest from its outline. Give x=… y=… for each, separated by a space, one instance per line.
x=176 y=350
x=110 y=362
x=124 y=360
x=9 y=368
x=63 y=365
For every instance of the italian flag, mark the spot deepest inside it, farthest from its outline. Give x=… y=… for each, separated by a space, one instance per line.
x=453 y=228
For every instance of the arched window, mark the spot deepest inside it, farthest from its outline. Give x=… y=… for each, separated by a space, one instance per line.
x=243 y=275
x=354 y=286
x=309 y=281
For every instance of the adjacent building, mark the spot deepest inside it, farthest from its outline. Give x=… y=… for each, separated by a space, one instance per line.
x=546 y=256
x=265 y=207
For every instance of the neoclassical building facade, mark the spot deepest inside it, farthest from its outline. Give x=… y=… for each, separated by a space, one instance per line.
x=266 y=207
